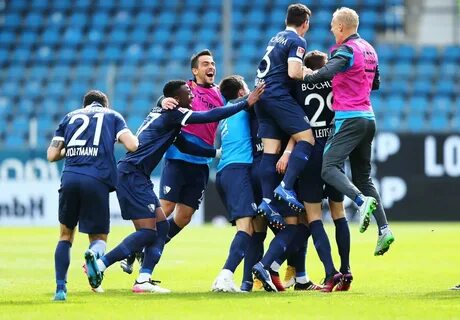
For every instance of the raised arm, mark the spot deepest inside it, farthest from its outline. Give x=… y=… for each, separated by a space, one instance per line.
x=191 y=148
x=340 y=61
x=218 y=114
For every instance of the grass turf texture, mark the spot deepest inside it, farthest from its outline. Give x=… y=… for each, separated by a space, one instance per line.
x=409 y=282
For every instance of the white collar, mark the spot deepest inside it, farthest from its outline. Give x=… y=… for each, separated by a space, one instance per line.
x=291 y=29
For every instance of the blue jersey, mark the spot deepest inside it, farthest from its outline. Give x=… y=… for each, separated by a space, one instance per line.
x=236 y=140
x=158 y=131
x=316 y=101
x=286 y=46
x=89 y=135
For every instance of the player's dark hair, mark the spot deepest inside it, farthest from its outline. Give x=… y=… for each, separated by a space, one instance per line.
x=315 y=59
x=229 y=87
x=96 y=96
x=171 y=87
x=297 y=14
x=194 y=58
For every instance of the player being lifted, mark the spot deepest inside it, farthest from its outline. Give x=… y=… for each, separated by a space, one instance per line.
x=138 y=202
x=279 y=115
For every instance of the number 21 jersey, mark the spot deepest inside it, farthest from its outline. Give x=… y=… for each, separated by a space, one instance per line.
x=89 y=135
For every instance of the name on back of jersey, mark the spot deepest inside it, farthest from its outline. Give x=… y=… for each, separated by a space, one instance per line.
x=81 y=151
x=279 y=39
x=318 y=86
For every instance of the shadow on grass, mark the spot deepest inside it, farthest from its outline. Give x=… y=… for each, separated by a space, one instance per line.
x=82 y=297
x=439 y=295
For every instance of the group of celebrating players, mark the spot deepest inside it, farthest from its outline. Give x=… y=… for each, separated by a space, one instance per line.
x=282 y=150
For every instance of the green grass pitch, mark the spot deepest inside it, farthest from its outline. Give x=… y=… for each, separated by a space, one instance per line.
x=410 y=282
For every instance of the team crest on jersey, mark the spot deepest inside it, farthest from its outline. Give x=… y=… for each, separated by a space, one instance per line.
x=300 y=52
x=166 y=189
x=151 y=207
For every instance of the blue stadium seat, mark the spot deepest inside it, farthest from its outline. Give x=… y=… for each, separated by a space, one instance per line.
x=416 y=123
x=395 y=103
x=368 y=33
x=445 y=87
x=418 y=104
x=25 y=106
x=66 y=55
x=322 y=18
x=426 y=70
x=421 y=87
x=50 y=36
x=11 y=19
x=144 y=18
x=161 y=36
x=111 y=53
x=451 y=53
x=89 y=54
x=402 y=70
x=438 y=123
x=82 y=4
x=398 y=87
x=133 y=53
x=139 y=34
x=21 y=54
x=386 y=52
x=100 y=19
x=391 y=122
x=428 y=54
x=441 y=104
x=7 y=36
x=406 y=52
x=77 y=19
x=17 y=71
x=118 y=36
x=368 y=18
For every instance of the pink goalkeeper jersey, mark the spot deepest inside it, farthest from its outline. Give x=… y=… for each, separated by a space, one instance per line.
x=352 y=87
x=206 y=98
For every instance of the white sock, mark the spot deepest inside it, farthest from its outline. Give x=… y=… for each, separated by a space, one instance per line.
x=302 y=279
x=275 y=266
x=143 y=277
x=101 y=265
x=226 y=273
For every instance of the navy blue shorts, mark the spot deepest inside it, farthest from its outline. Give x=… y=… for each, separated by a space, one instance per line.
x=183 y=182
x=136 y=196
x=311 y=187
x=280 y=116
x=84 y=200
x=234 y=186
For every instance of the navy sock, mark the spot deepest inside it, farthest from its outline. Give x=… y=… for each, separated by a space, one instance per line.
x=131 y=244
x=297 y=162
x=153 y=252
x=174 y=229
x=303 y=233
x=269 y=178
x=237 y=250
x=342 y=237
x=323 y=247
x=254 y=253
x=61 y=263
x=279 y=245
x=297 y=243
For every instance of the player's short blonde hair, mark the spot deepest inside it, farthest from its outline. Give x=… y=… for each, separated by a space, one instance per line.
x=348 y=17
